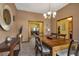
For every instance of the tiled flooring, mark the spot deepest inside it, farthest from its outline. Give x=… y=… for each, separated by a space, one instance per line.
x=27 y=48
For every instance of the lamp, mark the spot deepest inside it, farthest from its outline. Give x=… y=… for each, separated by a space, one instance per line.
x=49 y=14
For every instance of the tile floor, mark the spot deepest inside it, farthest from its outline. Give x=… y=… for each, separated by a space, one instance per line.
x=27 y=49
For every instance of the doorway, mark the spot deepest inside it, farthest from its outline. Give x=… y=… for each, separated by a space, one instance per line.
x=35 y=26
x=65 y=26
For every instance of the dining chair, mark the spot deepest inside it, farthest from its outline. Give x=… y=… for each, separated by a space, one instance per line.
x=5 y=51
x=77 y=51
x=40 y=47
x=61 y=36
x=71 y=51
x=19 y=44
x=54 y=35
x=19 y=37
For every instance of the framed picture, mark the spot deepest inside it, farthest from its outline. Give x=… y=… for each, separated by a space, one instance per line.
x=7 y=18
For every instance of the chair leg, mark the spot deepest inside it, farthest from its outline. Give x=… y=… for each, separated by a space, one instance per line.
x=41 y=54
x=19 y=46
x=36 y=51
x=57 y=55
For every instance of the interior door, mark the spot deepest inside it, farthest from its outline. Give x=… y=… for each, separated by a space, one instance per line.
x=36 y=25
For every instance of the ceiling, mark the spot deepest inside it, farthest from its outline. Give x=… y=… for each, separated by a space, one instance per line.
x=40 y=7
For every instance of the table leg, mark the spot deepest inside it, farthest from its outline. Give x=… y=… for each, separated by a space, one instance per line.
x=53 y=52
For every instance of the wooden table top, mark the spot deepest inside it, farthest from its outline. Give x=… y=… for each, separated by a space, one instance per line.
x=54 y=41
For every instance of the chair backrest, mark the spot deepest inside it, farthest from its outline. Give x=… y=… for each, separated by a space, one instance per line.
x=38 y=42
x=19 y=35
x=37 y=39
x=20 y=30
x=61 y=36
x=72 y=48
x=54 y=35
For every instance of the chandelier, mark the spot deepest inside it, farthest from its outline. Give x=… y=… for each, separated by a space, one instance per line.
x=49 y=14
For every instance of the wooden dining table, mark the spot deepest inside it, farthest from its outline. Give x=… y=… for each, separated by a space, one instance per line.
x=56 y=44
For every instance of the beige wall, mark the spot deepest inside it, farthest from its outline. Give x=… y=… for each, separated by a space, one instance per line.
x=69 y=10
x=22 y=20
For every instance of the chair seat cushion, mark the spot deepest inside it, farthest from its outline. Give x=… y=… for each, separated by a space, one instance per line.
x=64 y=53
x=44 y=49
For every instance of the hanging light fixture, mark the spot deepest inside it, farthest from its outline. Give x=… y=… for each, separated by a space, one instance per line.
x=49 y=14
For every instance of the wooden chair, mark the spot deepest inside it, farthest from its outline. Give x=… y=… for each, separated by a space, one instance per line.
x=40 y=47
x=61 y=36
x=7 y=48
x=20 y=36
x=54 y=35
x=71 y=51
x=77 y=51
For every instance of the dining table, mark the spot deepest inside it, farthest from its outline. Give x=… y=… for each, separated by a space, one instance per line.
x=56 y=44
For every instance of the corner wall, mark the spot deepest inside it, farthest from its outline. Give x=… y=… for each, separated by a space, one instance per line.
x=22 y=20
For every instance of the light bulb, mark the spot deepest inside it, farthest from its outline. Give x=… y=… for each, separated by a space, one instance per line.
x=48 y=29
x=34 y=29
x=49 y=13
x=45 y=15
x=54 y=14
